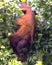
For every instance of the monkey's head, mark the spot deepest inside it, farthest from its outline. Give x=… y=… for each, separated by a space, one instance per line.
x=25 y=8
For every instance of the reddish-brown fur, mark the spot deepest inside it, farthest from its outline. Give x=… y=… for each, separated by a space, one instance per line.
x=22 y=40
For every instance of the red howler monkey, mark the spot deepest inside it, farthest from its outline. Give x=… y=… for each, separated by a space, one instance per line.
x=22 y=40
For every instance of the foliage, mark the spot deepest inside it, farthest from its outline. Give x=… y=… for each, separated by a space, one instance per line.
x=41 y=51
x=38 y=63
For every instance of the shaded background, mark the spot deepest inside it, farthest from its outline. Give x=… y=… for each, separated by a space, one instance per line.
x=42 y=47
